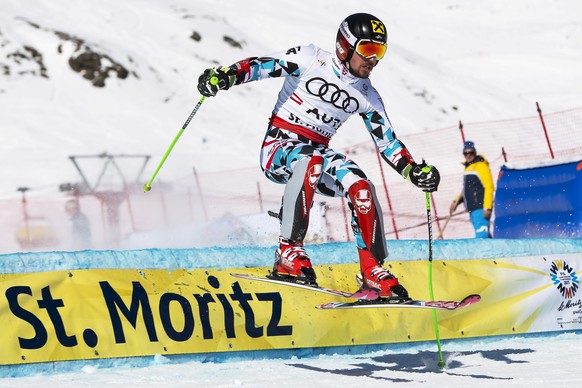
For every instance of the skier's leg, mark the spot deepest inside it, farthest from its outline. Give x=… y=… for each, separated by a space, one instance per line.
x=343 y=177
x=368 y=226
x=362 y=195
x=298 y=196
x=291 y=257
x=299 y=165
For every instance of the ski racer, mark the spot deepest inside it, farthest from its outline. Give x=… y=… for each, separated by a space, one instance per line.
x=320 y=92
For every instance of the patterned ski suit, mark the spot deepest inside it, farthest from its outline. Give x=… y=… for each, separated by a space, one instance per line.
x=318 y=96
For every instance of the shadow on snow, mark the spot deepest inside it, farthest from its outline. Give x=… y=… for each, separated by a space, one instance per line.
x=423 y=362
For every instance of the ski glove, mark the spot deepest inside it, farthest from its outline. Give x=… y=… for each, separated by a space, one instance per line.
x=215 y=79
x=425 y=177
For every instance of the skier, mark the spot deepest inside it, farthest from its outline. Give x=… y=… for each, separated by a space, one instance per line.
x=320 y=92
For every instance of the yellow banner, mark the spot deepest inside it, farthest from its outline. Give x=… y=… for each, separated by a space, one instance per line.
x=88 y=314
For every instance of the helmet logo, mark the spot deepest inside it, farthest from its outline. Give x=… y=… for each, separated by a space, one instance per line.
x=378 y=27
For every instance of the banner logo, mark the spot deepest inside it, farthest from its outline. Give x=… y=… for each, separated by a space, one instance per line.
x=564 y=278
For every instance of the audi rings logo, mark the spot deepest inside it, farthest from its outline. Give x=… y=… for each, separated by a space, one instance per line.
x=332 y=94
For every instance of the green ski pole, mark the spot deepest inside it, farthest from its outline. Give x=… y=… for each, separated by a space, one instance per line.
x=148 y=186
x=441 y=363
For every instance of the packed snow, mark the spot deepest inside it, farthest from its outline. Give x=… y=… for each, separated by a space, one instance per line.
x=548 y=361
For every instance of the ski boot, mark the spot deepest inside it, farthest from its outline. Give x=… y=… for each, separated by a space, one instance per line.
x=374 y=276
x=292 y=263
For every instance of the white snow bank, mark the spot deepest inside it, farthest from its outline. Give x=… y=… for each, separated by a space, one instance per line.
x=236 y=257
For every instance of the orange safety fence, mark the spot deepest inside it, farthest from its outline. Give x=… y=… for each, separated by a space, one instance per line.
x=196 y=207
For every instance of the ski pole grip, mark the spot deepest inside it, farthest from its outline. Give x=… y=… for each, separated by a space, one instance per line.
x=213 y=80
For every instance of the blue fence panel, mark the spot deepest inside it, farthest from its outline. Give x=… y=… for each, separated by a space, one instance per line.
x=539 y=202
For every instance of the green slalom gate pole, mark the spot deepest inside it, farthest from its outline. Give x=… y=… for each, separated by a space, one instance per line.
x=148 y=186
x=441 y=363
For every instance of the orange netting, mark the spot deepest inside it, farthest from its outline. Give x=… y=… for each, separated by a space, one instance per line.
x=199 y=199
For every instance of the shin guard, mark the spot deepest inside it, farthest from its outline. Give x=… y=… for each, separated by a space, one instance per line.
x=298 y=197
x=369 y=217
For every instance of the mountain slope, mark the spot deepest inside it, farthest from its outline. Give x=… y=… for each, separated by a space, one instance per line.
x=82 y=78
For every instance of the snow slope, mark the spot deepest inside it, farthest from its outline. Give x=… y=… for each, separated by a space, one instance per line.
x=447 y=60
x=550 y=361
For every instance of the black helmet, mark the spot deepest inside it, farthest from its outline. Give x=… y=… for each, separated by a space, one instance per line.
x=354 y=29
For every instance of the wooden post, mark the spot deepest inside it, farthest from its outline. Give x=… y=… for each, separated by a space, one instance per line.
x=260 y=197
x=23 y=190
x=545 y=130
x=462 y=132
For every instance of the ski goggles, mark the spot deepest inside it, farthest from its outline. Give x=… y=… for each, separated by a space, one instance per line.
x=369 y=48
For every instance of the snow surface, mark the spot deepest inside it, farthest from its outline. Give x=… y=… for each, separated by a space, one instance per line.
x=532 y=361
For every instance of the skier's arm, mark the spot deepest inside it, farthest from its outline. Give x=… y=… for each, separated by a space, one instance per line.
x=283 y=64
x=257 y=68
x=394 y=152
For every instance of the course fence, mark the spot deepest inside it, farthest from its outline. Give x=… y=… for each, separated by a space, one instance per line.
x=195 y=211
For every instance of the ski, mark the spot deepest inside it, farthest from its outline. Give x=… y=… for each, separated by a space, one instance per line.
x=292 y=282
x=365 y=298
x=396 y=303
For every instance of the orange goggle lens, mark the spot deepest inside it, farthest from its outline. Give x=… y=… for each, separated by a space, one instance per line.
x=369 y=48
